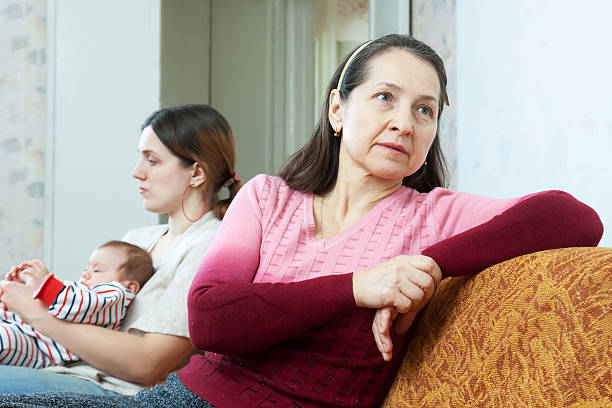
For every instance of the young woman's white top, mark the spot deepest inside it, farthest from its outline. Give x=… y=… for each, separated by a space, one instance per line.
x=161 y=305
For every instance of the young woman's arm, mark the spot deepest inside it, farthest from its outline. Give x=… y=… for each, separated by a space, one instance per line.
x=141 y=359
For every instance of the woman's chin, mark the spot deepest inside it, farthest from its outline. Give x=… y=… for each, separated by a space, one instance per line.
x=151 y=207
x=390 y=174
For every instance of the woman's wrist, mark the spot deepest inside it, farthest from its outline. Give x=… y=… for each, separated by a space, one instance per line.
x=43 y=321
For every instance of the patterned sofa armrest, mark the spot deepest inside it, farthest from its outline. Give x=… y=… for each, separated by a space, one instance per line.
x=532 y=331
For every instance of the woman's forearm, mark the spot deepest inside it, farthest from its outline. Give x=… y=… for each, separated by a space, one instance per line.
x=141 y=359
x=238 y=318
x=549 y=220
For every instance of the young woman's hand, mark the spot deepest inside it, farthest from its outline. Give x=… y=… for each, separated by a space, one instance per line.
x=17 y=297
x=398 y=288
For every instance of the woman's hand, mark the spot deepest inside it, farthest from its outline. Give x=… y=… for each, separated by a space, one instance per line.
x=17 y=297
x=404 y=282
x=386 y=318
x=399 y=288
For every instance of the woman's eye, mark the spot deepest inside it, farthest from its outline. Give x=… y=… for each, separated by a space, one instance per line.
x=385 y=97
x=425 y=110
x=151 y=161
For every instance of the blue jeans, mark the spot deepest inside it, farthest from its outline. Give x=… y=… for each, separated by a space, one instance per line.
x=21 y=380
x=171 y=394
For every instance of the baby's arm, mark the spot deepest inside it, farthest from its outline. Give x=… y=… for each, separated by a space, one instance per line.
x=102 y=305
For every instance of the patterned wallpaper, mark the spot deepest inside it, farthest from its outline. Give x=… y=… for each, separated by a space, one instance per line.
x=23 y=81
x=433 y=22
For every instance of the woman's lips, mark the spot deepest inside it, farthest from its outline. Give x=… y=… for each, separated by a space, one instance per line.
x=394 y=147
x=142 y=190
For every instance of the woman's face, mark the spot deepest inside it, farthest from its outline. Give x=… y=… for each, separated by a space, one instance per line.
x=162 y=178
x=390 y=120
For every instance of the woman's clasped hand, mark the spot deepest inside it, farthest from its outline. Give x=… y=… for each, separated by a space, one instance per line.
x=398 y=288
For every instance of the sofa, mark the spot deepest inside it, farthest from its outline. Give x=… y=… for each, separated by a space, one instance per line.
x=534 y=331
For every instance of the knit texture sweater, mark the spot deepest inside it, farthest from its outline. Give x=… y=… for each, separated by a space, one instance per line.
x=274 y=306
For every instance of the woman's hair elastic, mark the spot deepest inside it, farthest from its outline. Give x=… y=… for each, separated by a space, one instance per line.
x=230 y=181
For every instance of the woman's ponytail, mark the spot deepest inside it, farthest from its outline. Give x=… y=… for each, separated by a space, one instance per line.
x=233 y=185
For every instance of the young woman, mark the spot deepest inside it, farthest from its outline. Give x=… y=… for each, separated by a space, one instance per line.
x=351 y=239
x=186 y=155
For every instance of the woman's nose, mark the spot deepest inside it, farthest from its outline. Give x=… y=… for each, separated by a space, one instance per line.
x=402 y=123
x=137 y=172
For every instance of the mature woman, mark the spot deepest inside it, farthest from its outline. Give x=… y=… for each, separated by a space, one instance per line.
x=352 y=238
x=186 y=155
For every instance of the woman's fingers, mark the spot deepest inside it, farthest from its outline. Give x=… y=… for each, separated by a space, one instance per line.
x=427 y=265
x=377 y=329
x=403 y=282
x=399 y=288
x=17 y=298
x=2 y=306
x=415 y=291
x=381 y=328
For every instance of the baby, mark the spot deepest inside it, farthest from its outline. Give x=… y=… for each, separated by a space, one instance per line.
x=115 y=273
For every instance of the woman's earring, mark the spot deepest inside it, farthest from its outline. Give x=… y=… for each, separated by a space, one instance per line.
x=337 y=132
x=183 y=204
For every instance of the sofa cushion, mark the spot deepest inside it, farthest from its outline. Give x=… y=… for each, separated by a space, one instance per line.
x=532 y=331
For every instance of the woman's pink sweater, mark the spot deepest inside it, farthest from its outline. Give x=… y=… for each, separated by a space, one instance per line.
x=274 y=306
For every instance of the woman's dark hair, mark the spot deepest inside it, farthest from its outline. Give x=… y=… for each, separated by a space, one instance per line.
x=198 y=133
x=314 y=168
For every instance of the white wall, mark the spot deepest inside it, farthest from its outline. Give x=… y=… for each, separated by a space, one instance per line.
x=104 y=81
x=534 y=108
x=261 y=78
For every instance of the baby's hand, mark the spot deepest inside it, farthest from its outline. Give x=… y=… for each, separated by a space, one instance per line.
x=36 y=268
x=13 y=273
x=29 y=272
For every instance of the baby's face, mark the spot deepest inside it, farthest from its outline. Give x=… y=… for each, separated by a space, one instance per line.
x=103 y=266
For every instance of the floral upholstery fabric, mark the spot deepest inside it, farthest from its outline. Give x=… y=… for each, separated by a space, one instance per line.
x=534 y=331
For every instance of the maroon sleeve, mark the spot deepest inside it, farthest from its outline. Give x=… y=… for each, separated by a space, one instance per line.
x=546 y=221
x=238 y=318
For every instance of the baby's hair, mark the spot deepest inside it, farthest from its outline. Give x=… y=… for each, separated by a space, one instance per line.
x=138 y=266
